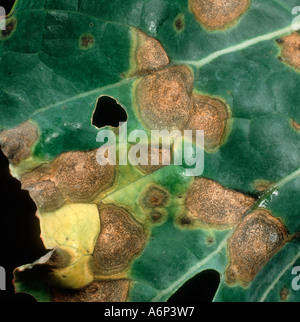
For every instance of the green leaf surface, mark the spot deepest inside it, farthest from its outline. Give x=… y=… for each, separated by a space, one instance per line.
x=58 y=57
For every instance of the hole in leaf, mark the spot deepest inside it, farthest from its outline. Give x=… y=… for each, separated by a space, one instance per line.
x=108 y=113
x=201 y=288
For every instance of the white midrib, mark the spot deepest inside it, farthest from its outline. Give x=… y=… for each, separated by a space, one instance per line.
x=190 y=273
x=238 y=47
x=276 y=280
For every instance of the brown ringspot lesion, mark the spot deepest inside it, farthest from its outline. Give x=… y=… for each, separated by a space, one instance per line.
x=98 y=291
x=163 y=98
x=79 y=176
x=256 y=240
x=210 y=204
x=17 y=143
x=121 y=239
x=43 y=191
x=212 y=116
x=147 y=54
x=154 y=197
x=86 y=41
x=156 y=217
x=218 y=14
x=71 y=177
x=290 y=49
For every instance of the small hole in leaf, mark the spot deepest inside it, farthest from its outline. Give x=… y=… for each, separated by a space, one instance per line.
x=201 y=288
x=108 y=113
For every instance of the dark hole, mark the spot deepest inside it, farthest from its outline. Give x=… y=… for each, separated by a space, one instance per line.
x=108 y=113
x=20 y=241
x=201 y=288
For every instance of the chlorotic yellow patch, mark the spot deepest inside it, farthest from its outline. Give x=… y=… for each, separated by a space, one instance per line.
x=75 y=229
x=74 y=226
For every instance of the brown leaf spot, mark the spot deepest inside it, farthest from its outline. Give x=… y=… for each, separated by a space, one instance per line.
x=147 y=54
x=210 y=240
x=218 y=14
x=98 y=291
x=284 y=294
x=79 y=176
x=120 y=240
x=154 y=197
x=155 y=217
x=295 y=125
x=86 y=41
x=185 y=221
x=256 y=240
x=262 y=185
x=290 y=52
x=16 y=143
x=179 y=23
x=210 y=115
x=163 y=98
x=212 y=204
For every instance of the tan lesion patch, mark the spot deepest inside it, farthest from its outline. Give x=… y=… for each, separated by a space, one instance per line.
x=209 y=203
x=98 y=291
x=147 y=54
x=71 y=177
x=16 y=143
x=43 y=191
x=79 y=176
x=256 y=240
x=218 y=14
x=212 y=116
x=163 y=98
x=120 y=240
x=290 y=49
